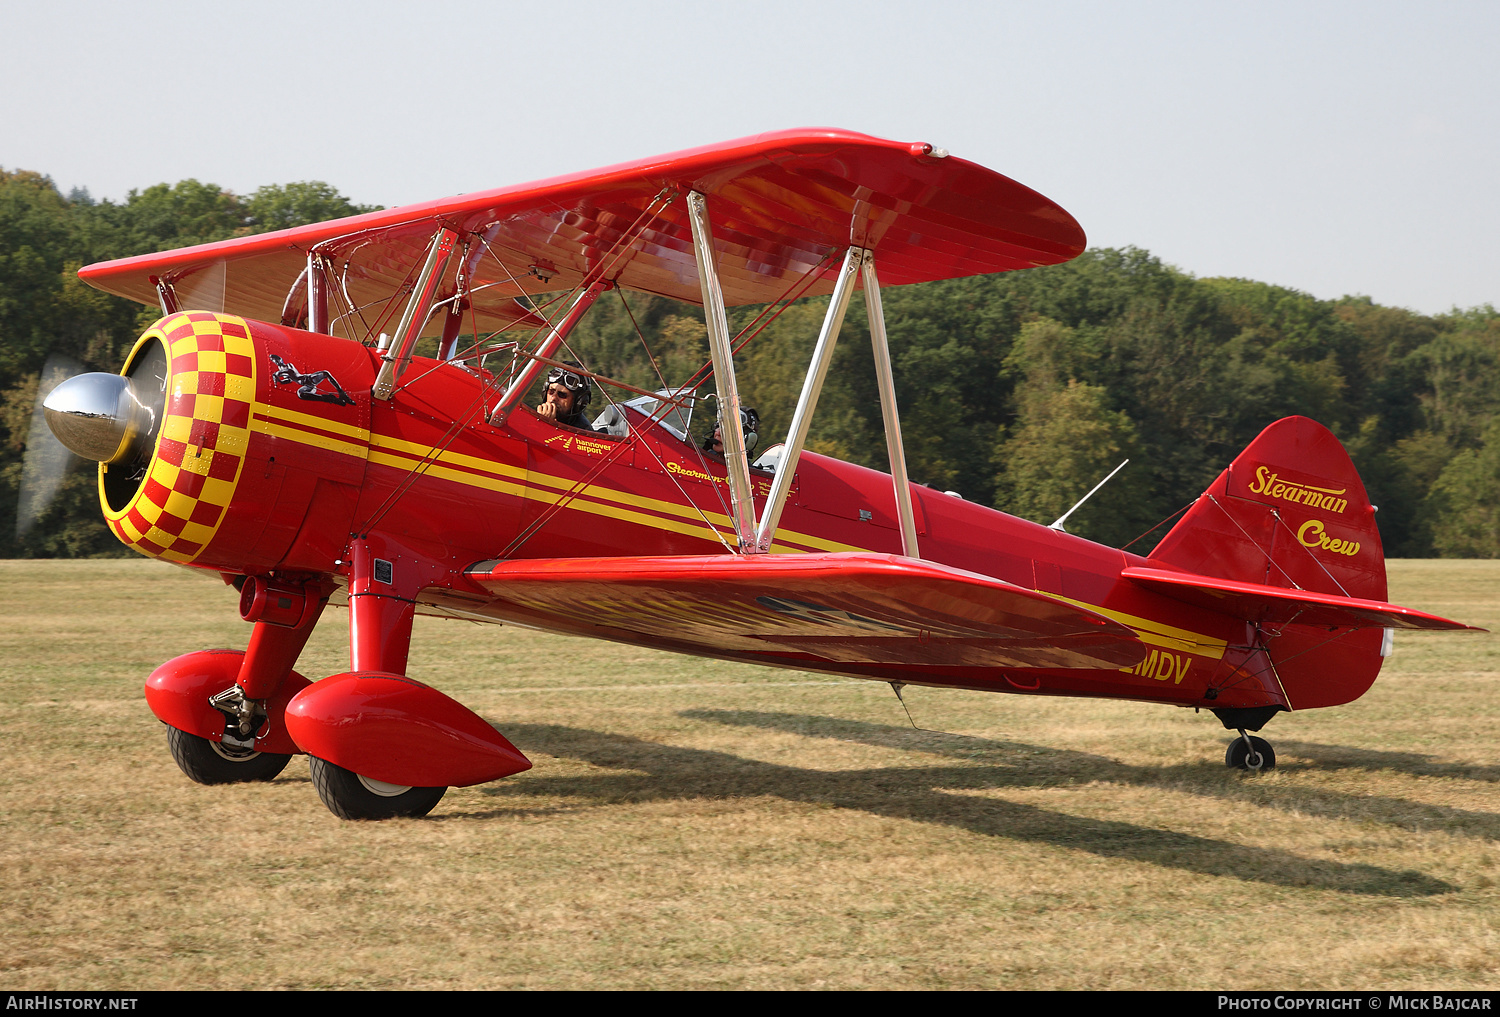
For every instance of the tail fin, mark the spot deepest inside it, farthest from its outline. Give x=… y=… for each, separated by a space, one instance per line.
x=1291 y=512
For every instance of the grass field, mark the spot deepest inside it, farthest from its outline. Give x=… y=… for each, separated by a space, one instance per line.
x=694 y=824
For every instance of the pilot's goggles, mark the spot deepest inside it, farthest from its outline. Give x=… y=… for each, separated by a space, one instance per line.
x=748 y=420
x=560 y=376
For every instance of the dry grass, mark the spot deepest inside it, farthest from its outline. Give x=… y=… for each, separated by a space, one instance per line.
x=698 y=824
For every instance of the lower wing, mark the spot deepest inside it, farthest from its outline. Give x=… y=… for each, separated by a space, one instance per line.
x=849 y=607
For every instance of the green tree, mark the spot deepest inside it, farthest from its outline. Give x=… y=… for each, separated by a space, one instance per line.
x=281 y=206
x=1461 y=368
x=1066 y=441
x=167 y=216
x=1465 y=501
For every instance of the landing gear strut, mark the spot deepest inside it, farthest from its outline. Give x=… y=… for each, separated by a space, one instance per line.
x=1248 y=752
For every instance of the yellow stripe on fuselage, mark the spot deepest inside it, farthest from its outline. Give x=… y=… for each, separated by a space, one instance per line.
x=514 y=481
x=489 y=481
x=268 y=411
x=278 y=430
x=503 y=478
x=417 y=451
x=596 y=492
x=1154 y=632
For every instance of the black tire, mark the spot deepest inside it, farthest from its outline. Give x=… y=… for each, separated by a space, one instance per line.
x=212 y=763
x=350 y=796
x=1238 y=754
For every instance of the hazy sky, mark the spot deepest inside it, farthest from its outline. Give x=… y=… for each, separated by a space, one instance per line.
x=1331 y=147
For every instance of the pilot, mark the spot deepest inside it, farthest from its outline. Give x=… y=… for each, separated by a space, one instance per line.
x=749 y=419
x=567 y=396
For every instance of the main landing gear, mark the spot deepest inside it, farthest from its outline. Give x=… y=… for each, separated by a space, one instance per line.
x=351 y=796
x=379 y=744
x=209 y=762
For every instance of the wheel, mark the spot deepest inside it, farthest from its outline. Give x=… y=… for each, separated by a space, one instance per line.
x=212 y=763
x=350 y=796
x=1239 y=755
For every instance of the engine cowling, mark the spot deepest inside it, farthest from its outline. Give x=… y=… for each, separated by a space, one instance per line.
x=258 y=455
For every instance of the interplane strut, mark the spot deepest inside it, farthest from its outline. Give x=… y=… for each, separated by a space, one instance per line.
x=415 y=315
x=742 y=505
x=875 y=310
x=859 y=266
x=807 y=402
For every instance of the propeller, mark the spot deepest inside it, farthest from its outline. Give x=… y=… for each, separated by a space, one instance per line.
x=46 y=459
x=109 y=418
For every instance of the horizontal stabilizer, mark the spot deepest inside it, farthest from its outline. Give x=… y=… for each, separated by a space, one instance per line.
x=849 y=607
x=1255 y=602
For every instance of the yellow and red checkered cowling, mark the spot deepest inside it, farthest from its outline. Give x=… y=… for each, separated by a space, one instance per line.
x=204 y=437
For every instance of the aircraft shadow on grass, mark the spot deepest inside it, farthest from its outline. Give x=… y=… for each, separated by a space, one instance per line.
x=926 y=794
x=1035 y=765
x=1416 y=764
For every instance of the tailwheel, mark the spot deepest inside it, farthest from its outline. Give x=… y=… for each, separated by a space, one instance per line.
x=351 y=796
x=1248 y=752
x=209 y=762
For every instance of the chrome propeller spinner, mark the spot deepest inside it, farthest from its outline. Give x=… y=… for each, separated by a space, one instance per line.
x=108 y=418
x=101 y=416
x=111 y=418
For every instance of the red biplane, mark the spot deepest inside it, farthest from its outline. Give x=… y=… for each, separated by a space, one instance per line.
x=276 y=426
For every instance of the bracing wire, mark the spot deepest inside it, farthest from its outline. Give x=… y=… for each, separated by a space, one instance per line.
x=626 y=240
x=791 y=294
x=1159 y=525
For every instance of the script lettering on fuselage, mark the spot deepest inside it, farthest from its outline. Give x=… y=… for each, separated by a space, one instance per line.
x=678 y=470
x=1312 y=534
x=1163 y=666
x=758 y=485
x=1272 y=486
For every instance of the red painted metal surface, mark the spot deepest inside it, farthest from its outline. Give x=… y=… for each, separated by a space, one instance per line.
x=1277 y=605
x=1290 y=511
x=274 y=648
x=177 y=693
x=396 y=730
x=865 y=608
x=283 y=604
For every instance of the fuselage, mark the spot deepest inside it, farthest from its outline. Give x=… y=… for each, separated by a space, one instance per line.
x=274 y=459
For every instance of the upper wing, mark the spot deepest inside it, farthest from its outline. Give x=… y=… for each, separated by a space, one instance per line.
x=856 y=607
x=780 y=203
x=1278 y=605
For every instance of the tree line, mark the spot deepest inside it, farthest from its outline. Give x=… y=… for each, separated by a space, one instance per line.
x=47 y=313
x=1023 y=390
x=1019 y=390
